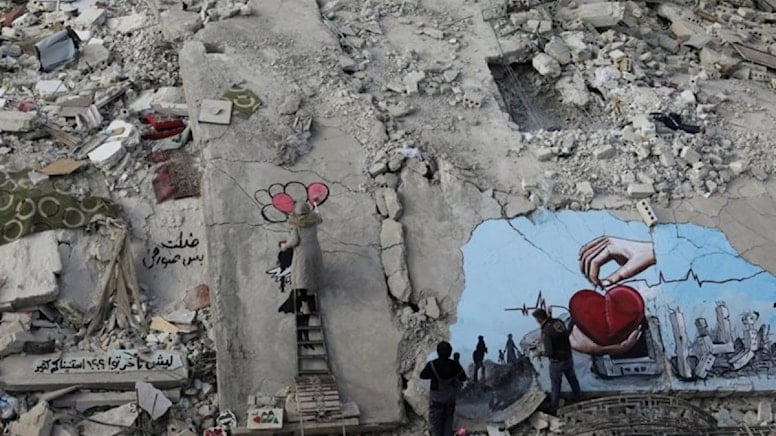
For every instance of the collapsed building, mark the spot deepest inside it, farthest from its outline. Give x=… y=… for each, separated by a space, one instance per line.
x=460 y=154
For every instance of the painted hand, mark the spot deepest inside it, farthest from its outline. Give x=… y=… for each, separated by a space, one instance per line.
x=632 y=256
x=583 y=344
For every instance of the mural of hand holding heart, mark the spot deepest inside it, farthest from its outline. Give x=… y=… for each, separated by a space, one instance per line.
x=607 y=319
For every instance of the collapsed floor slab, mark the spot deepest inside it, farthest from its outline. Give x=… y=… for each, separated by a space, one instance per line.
x=30 y=266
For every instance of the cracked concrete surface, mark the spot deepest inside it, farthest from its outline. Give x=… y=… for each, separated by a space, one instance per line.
x=479 y=178
x=254 y=340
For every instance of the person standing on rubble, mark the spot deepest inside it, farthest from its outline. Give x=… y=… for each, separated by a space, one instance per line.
x=447 y=377
x=306 y=264
x=479 y=356
x=557 y=348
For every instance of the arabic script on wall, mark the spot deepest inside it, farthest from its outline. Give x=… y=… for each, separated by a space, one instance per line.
x=180 y=251
x=112 y=361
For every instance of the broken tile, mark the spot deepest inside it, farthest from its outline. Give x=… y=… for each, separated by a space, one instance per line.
x=216 y=112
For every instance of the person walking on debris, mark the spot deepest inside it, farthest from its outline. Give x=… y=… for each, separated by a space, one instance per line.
x=479 y=356
x=306 y=264
x=557 y=348
x=501 y=360
x=447 y=377
x=511 y=350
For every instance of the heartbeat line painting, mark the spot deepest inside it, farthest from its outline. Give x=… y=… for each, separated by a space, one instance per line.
x=674 y=307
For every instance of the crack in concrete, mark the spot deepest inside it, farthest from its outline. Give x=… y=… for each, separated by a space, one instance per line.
x=540 y=249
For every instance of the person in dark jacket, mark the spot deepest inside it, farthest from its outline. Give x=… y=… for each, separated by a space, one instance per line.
x=447 y=377
x=557 y=348
x=478 y=356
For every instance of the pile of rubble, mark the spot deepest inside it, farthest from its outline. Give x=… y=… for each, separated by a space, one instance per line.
x=72 y=371
x=648 y=99
x=89 y=106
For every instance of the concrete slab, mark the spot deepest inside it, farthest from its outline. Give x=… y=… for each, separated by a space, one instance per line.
x=118 y=369
x=31 y=265
x=253 y=339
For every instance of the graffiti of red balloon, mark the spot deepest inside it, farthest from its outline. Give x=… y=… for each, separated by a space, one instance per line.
x=282 y=198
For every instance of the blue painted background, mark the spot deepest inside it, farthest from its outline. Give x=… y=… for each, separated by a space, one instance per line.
x=507 y=263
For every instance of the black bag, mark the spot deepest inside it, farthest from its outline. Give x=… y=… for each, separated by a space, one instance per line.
x=447 y=389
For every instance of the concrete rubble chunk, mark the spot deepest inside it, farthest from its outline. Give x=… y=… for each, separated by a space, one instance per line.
x=129 y=23
x=38 y=421
x=434 y=33
x=16 y=121
x=604 y=152
x=177 y=24
x=47 y=89
x=121 y=417
x=94 y=53
x=432 y=308
x=690 y=155
x=544 y=153
x=181 y=316
x=107 y=155
x=152 y=400
x=31 y=265
x=64 y=430
x=585 y=189
x=640 y=190
x=164 y=369
x=412 y=81
x=216 y=112
x=394 y=260
x=558 y=50
x=290 y=104
x=347 y=64
x=545 y=65
x=764 y=412
x=393 y=204
x=596 y=14
x=573 y=90
x=382 y=207
x=450 y=75
x=83 y=401
x=89 y=18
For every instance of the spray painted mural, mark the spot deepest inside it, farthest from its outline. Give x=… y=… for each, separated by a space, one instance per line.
x=674 y=307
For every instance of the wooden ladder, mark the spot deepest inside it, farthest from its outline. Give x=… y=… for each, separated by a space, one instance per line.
x=311 y=355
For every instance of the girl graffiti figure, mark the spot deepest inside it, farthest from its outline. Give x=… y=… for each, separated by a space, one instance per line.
x=306 y=265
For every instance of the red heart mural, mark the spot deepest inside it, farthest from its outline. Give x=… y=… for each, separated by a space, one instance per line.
x=607 y=319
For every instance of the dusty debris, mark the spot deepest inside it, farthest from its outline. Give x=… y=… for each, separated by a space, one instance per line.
x=115 y=421
x=38 y=421
x=152 y=400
